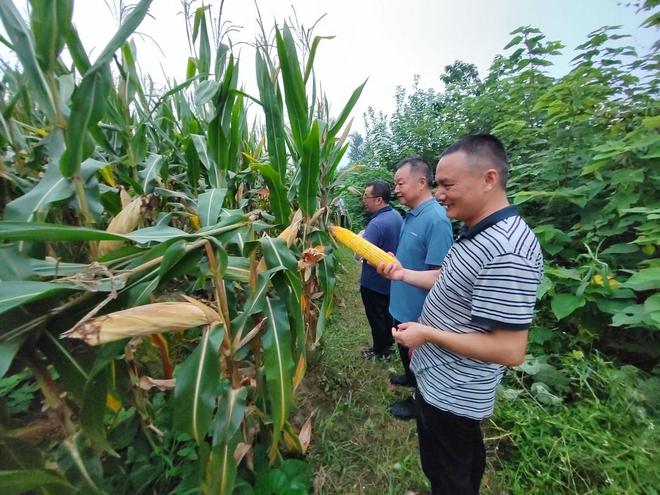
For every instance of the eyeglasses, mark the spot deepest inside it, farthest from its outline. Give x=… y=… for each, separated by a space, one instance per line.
x=370 y=197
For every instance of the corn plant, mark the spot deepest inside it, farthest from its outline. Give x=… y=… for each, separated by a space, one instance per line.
x=164 y=268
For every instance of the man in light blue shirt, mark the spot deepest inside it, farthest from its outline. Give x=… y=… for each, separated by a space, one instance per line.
x=425 y=238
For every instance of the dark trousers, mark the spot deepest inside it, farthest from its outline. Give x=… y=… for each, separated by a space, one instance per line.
x=376 y=306
x=404 y=353
x=451 y=449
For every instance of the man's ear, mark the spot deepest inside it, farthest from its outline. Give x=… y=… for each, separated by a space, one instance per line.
x=491 y=178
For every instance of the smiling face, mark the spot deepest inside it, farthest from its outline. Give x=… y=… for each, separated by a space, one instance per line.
x=465 y=188
x=409 y=187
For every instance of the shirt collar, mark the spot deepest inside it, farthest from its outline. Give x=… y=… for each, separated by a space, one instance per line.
x=489 y=221
x=382 y=210
x=420 y=207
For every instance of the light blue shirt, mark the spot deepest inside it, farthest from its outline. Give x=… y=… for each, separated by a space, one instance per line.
x=425 y=238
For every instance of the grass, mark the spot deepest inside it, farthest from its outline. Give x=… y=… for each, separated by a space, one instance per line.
x=357 y=447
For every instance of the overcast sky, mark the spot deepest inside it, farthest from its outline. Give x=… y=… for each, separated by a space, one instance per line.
x=387 y=42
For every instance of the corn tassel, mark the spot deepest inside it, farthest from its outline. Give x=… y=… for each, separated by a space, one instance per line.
x=143 y=320
x=363 y=248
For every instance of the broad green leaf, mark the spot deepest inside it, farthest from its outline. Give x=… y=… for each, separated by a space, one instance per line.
x=271 y=101
x=28 y=480
x=279 y=365
x=196 y=381
x=336 y=127
x=87 y=108
x=23 y=46
x=564 y=304
x=294 y=86
x=229 y=416
x=93 y=409
x=150 y=172
x=15 y=293
x=128 y=26
x=309 y=172
x=50 y=21
x=645 y=279
x=71 y=372
x=32 y=231
x=8 y=350
x=13 y=265
x=221 y=468
x=209 y=205
x=278 y=197
x=312 y=55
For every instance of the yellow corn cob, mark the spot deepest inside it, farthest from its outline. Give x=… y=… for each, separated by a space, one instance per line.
x=143 y=320
x=125 y=222
x=363 y=248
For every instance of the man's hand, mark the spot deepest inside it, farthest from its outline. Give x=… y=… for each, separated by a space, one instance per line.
x=391 y=271
x=410 y=334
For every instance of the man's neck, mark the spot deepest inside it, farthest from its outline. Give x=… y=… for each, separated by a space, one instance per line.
x=488 y=210
x=421 y=200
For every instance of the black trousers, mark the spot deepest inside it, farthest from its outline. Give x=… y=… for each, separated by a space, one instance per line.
x=451 y=449
x=376 y=306
x=404 y=353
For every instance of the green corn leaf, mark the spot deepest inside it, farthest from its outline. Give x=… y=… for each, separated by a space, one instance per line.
x=8 y=350
x=309 y=171
x=15 y=293
x=272 y=106
x=77 y=51
x=50 y=21
x=88 y=105
x=294 y=86
x=279 y=365
x=204 y=59
x=196 y=381
x=277 y=254
x=278 y=196
x=209 y=205
x=20 y=481
x=32 y=231
x=72 y=374
x=312 y=54
x=23 y=46
x=150 y=172
x=130 y=24
x=93 y=409
x=230 y=414
x=221 y=468
x=336 y=127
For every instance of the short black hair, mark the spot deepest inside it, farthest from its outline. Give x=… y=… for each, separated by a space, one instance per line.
x=484 y=146
x=420 y=167
x=380 y=189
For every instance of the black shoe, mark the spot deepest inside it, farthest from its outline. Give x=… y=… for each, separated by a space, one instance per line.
x=371 y=354
x=401 y=381
x=403 y=409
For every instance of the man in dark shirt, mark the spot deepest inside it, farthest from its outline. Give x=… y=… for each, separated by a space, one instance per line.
x=383 y=231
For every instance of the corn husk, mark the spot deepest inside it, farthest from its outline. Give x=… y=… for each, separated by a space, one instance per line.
x=126 y=221
x=288 y=235
x=143 y=320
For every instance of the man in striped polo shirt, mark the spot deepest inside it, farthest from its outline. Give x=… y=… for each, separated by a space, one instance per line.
x=475 y=318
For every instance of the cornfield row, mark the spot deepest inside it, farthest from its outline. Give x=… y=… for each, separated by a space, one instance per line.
x=165 y=268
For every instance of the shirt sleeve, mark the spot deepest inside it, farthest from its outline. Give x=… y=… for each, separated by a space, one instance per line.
x=440 y=240
x=505 y=293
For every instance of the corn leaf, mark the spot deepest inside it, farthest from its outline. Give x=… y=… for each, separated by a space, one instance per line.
x=278 y=196
x=279 y=365
x=271 y=102
x=15 y=482
x=23 y=46
x=130 y=24
x=15 y=293
x=309 y=171
x=72 y=374
x=348 y=108
x=93 y=409
x=50 y=21
x=294 y=86
x=150 y=172
x=88 y=105
x=209 y=205
x=196 y=381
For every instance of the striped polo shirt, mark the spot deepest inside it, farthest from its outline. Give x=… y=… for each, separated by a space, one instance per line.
x=488 y=280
